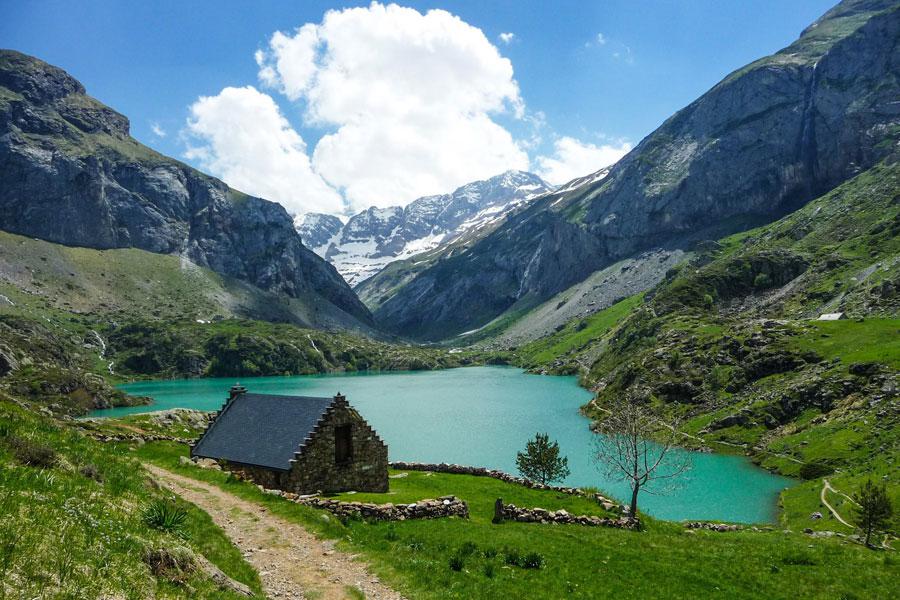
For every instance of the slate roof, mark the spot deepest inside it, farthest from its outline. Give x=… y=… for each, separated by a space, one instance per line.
x=261 y=429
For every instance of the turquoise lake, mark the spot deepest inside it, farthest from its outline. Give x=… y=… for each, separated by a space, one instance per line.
x=484 y=415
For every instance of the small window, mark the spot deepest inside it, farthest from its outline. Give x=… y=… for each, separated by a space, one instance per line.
x=343 y=444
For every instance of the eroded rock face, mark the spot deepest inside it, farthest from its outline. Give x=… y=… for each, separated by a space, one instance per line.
x=765 y=140
x=72 y=174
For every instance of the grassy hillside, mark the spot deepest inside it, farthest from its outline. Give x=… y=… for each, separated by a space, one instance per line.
x=39 y=277
x=72 y=522
x=728 y=342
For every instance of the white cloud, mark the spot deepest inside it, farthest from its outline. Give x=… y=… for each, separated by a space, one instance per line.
x=410 y=96
x=601 y=39
x=157 y=130
x=507 y=38
x=241 y=136
x=573 y=158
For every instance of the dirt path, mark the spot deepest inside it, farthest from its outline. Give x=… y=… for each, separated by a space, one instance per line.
x=827 y=488
x=292 y=562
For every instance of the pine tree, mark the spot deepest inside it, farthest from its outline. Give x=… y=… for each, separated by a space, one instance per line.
x=874 y=511
x=541 y=460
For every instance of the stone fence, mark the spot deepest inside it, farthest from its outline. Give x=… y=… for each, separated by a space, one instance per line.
x=712 y=526
x=502 y=476
x=511 y=512
x=445 y=506
x=132 y=437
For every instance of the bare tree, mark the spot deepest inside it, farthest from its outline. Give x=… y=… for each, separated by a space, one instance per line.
x=635 y=446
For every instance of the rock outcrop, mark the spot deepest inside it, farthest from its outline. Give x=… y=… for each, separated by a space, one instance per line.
x=761 y=143
x=72 y=174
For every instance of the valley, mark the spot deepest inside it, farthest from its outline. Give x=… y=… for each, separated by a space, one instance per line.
x=736 y=276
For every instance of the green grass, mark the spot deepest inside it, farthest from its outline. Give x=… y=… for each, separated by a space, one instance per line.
x=665 y=560
x=479 y=492
x=72 y=526
x=852 y=341
x=577 y=335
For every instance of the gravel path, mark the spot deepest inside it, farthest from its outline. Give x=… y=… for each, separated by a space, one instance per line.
x=292 y=562
x=826 y=487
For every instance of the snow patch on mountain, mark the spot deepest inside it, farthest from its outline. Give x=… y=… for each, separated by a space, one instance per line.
x=373 y=238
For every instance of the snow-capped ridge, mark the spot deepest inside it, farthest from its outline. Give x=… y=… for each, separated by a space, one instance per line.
x=375 y=237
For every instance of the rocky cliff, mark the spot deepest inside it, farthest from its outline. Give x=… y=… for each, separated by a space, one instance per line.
x=764 y=141
x=72 y=174
x=376 y=237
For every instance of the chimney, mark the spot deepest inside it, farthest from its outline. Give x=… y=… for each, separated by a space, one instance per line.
x=236 y=390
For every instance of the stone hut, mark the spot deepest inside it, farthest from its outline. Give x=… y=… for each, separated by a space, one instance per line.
x=296 y=443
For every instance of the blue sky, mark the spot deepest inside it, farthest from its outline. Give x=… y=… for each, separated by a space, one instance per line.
x=599 y=74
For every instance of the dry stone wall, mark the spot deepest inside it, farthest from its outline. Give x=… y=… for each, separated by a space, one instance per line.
x=511 y=512
x=607 y=503
x=445 y=506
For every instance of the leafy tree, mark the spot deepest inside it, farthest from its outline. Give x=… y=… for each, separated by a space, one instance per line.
x=632 y=446
x=541 y=460
x=874 y=509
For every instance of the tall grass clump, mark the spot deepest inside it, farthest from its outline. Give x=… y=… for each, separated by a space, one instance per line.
x=165 y=515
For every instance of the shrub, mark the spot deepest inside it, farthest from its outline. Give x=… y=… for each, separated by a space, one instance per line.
x=457 y=562
x=512 y=557
x=32 y=453
x=533 y=560
x=165 y=515
x=91 y=472
x=468 y=549
x=762 y=281
x=814 y=470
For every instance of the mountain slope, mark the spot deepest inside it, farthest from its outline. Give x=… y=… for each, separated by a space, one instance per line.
x=375 y=237
x=73 y=175
x=40 y=279
x=761 y=143
x=730 y=342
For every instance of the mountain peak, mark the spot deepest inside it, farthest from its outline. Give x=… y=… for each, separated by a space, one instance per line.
x=376 y=237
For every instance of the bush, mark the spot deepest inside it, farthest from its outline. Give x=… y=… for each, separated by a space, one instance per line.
x=814 y=470
x=91 y=472
x=468 y=549
x=762 y=281
x=165 y=515
x=457 y=562
x=533 y=560
x=512 y=557
x=31 y=453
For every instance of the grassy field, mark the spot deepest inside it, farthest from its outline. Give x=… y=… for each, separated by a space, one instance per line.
x=854 y=341
x=71 y=521
x=421 y=558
